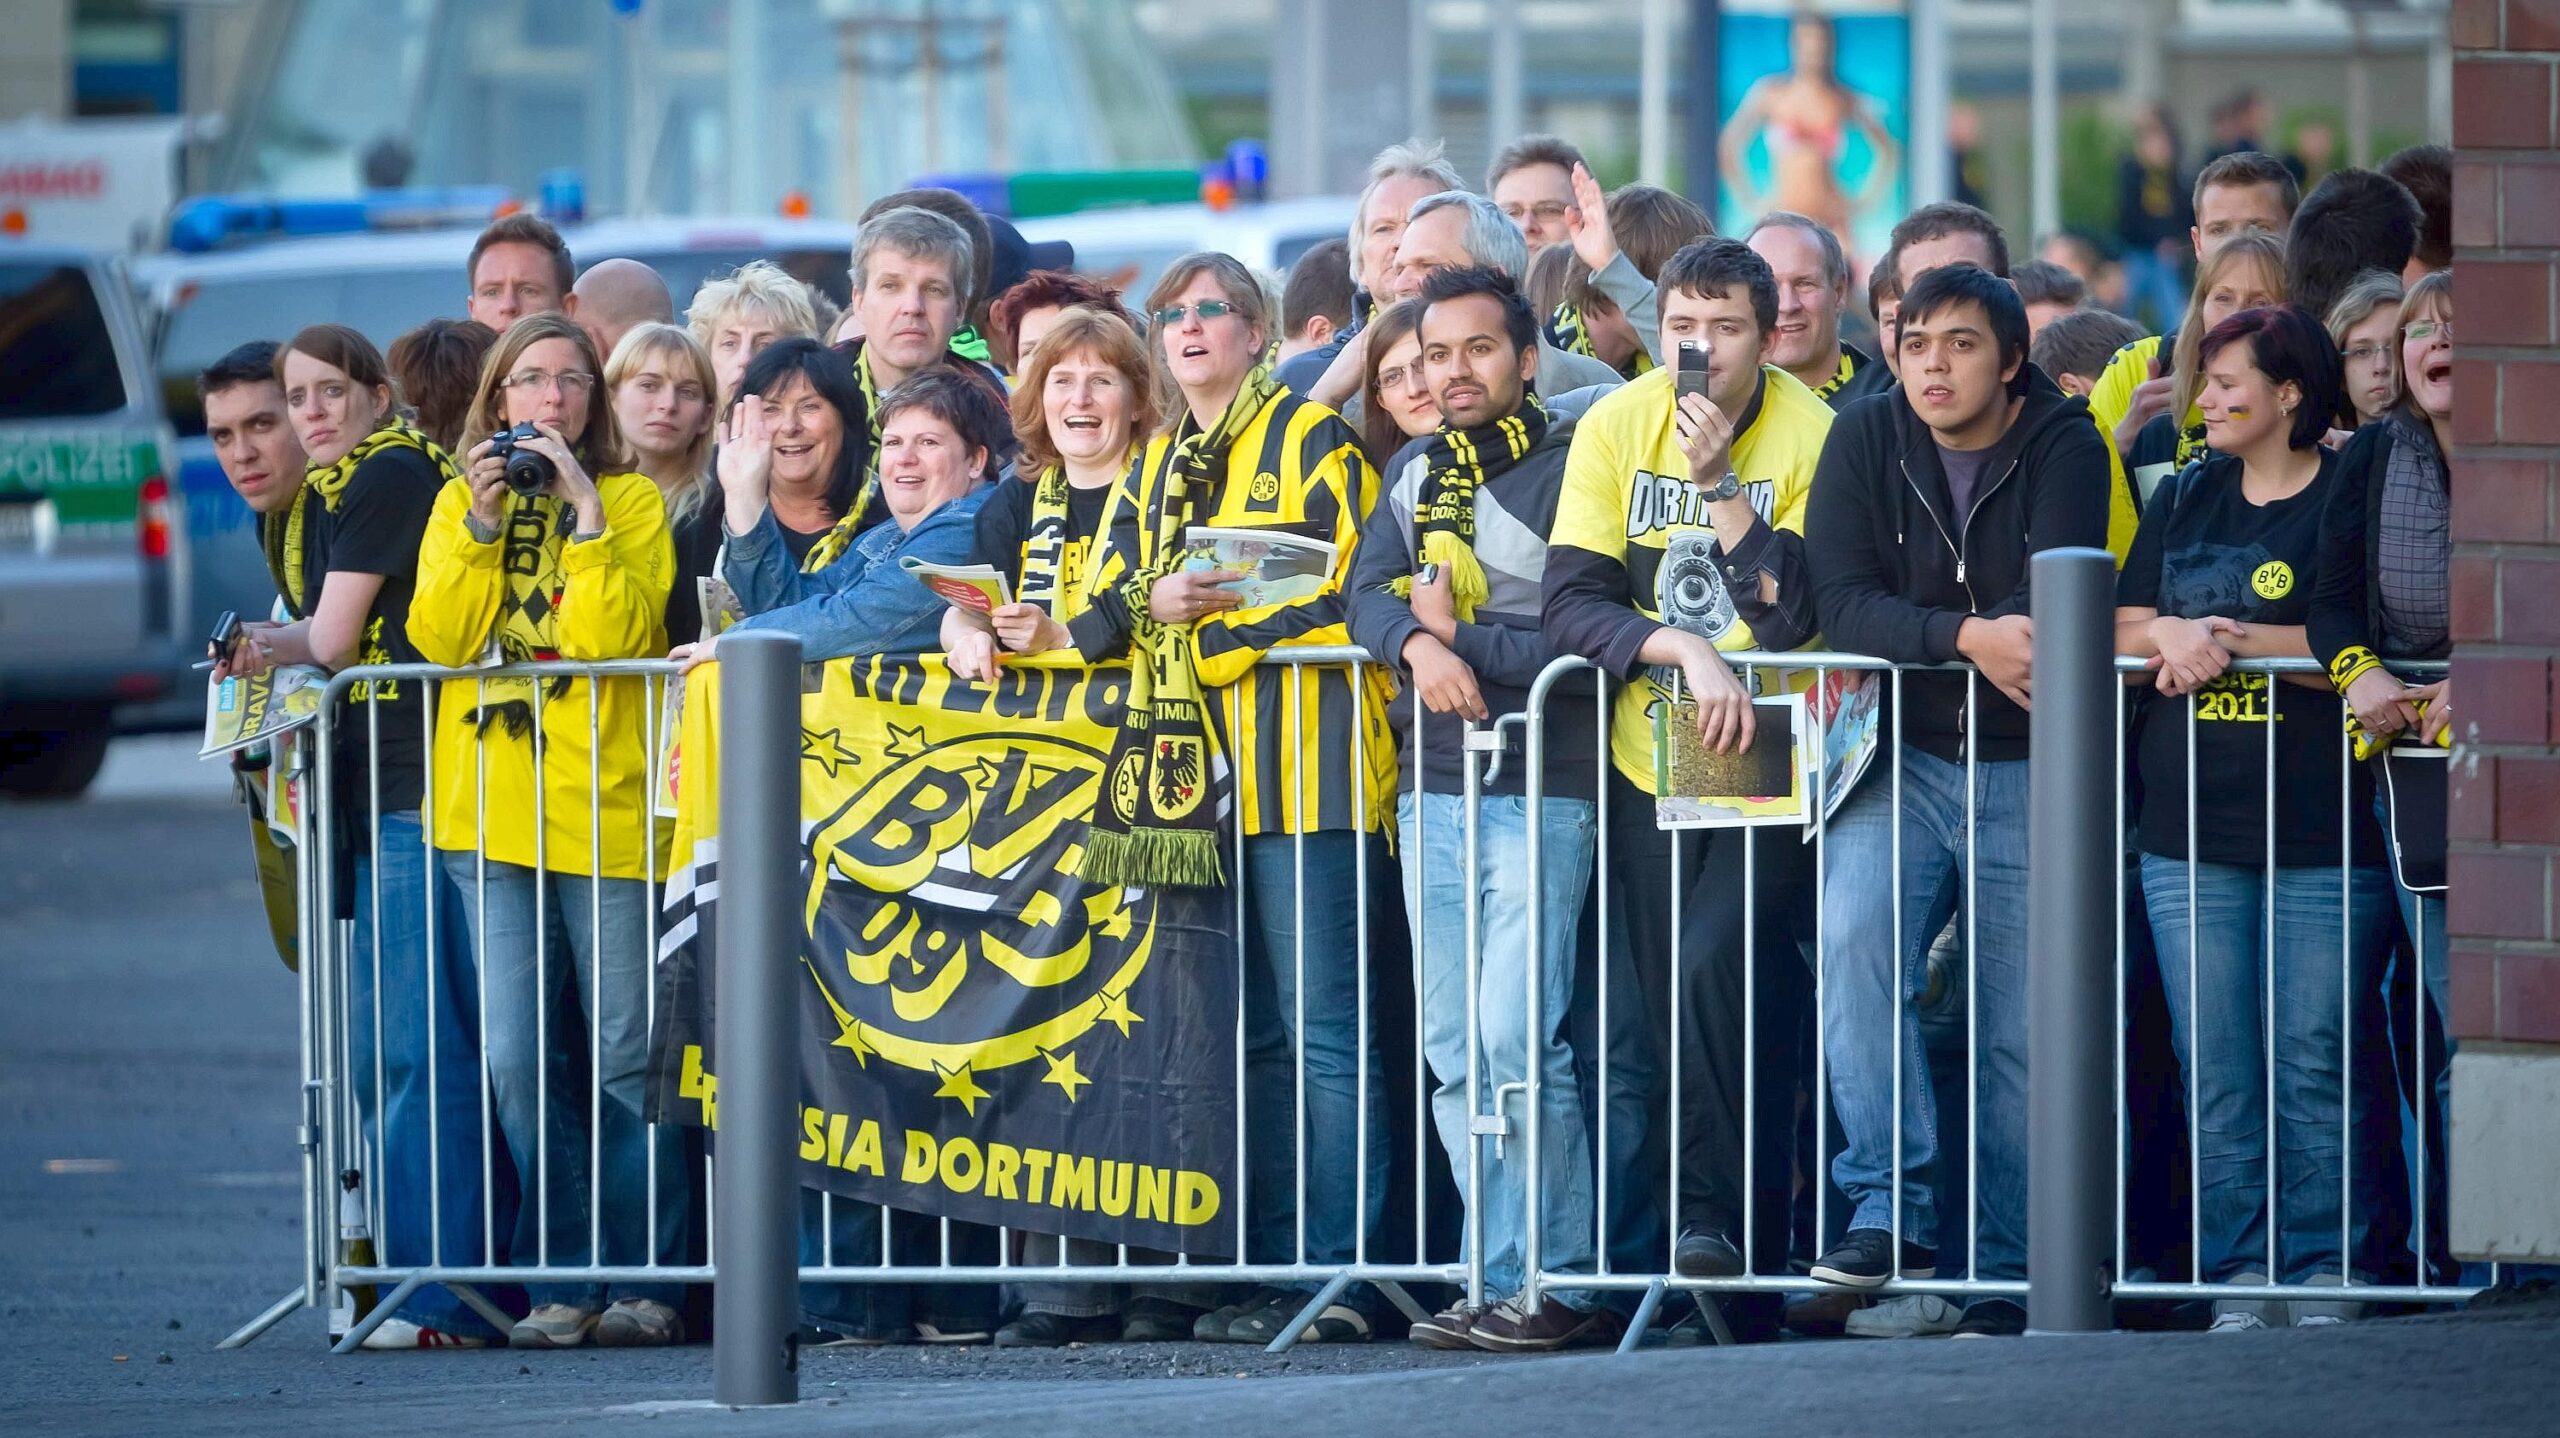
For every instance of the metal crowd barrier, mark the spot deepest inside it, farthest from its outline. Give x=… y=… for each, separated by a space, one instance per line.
x=1440 y=1242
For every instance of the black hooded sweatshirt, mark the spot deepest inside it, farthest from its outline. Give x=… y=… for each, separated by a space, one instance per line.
x=1896 y=572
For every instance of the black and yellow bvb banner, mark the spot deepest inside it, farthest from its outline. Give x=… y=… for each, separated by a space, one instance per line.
x=984 y=1035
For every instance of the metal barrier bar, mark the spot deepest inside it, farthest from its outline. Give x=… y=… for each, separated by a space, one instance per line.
x=337 y=1073
x=757 y=1359
x=2068 y=1104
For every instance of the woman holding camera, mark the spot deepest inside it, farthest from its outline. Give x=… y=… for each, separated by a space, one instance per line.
x=552 y=547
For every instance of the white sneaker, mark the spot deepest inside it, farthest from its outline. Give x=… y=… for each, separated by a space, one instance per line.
x=1913 y=1315
x=553 y=1325
x=398 y=1334
x=2317 y=1320
x=2237 y=1321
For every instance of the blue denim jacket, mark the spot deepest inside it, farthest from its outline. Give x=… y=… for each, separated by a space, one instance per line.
x=863 y=603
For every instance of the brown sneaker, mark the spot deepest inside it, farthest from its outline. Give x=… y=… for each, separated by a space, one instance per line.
x=1823 y=1313
x=1446 y=1330
x=1506 y=1327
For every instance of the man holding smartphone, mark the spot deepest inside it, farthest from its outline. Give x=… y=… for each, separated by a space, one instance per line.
x=1679 y=535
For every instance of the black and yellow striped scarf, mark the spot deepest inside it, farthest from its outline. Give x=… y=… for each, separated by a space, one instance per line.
x=1158 y=820
x=1060 y=569
x=1567 y=330
x=1847 y=371
x=286 y=539
x=1459 y=462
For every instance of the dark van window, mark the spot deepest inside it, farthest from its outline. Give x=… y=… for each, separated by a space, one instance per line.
x=54 y=345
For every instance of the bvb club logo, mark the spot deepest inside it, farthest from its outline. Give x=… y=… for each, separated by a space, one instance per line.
x=2273 y=580
x=951 y=932
x=1266 y=487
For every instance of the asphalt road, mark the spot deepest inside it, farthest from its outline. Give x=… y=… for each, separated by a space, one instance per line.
x=148 y=1190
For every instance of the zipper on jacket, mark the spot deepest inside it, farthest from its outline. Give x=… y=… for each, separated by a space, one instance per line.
x=1940 y=525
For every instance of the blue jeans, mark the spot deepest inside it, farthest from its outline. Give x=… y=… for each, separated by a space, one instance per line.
x=1438 y=893
x=1863 y=973
x=1310 y=952
x=2222 y=1034
x=840 y=1232
x=417 y=1086
x=512 y=919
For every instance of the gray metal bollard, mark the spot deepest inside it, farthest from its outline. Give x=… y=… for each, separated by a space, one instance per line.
x=2072 y=847
x=755 y=1308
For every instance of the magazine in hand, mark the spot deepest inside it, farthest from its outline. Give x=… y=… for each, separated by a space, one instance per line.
x=1699 y=788
x=1845 y=704
x=977 y=588
x=1277 y=566
x=243 y=709
x=720 y=607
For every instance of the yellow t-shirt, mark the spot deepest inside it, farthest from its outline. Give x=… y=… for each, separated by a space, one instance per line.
x=1627 y=497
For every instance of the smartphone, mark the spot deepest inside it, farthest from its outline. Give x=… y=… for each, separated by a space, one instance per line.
x=226 y=632
x=1692 y=362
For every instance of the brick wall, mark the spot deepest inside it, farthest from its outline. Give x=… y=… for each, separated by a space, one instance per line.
x=2505 y=902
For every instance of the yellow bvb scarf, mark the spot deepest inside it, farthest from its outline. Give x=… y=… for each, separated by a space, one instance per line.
x=1444 y=512
x=284 y=540
x=1060 y=571
x=1158 y=822
x=536 y=535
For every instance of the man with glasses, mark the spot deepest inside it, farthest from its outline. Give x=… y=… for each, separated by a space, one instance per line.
x=1531 y=180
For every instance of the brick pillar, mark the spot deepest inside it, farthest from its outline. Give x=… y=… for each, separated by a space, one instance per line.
x=2505 y=875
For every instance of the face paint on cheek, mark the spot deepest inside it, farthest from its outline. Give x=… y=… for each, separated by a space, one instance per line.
x=2237 y=411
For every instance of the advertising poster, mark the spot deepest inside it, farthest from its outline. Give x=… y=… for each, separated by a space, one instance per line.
x=1816 y=106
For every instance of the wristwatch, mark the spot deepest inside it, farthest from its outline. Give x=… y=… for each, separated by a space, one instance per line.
x=1725 y=488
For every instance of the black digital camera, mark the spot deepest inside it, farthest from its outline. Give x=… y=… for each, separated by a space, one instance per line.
x=528 y=473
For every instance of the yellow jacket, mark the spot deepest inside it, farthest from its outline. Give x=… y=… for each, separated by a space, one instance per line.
x=603 y=597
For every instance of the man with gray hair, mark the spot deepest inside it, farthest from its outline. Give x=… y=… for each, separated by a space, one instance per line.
x=1401 y=174
x=1813 y=286
x=911 y=275
x=1455 y=229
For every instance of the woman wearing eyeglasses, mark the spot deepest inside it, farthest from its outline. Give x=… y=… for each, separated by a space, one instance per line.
x=541 y=815
x=2365 y=322
x=1313 y=762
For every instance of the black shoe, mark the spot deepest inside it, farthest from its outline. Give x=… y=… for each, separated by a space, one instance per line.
x=1156 y=1320
x=1705 y=1252
x=1212 y=1326
x=1864 y=1259
x=1338 y=1323
x=1993 y=1318
x=1054 y=1330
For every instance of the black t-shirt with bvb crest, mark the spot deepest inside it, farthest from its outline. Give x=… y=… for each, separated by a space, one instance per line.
x=375 y=528
x=2204 y=550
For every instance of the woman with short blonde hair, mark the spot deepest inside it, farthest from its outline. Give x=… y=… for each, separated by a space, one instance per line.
x=743 y=311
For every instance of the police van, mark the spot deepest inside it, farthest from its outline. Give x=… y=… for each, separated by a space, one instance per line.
x=94 y=601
